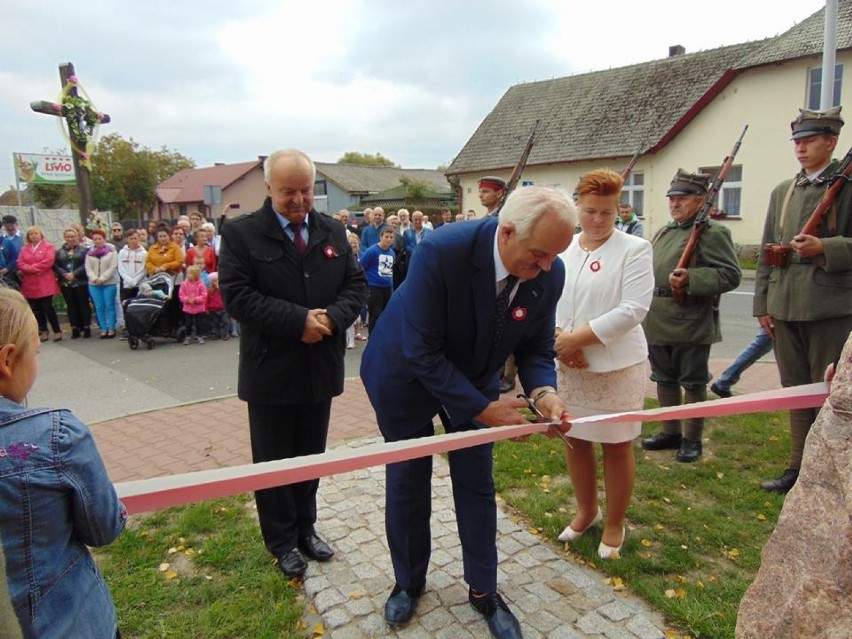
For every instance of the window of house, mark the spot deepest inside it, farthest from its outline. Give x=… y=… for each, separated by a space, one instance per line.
x=730 y=195
x=320 y=187
x=633 y=192
x=183 y=209
x=815 y=86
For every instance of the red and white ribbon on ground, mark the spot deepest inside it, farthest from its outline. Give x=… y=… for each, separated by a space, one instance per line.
x=163 y=492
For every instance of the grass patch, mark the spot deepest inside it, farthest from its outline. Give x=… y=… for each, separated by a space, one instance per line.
x=696 y=531
x=220 y=581
x=748 y=265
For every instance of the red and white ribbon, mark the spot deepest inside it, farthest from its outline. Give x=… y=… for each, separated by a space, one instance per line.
x=163 y=492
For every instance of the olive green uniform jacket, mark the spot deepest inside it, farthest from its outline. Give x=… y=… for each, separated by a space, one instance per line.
x=714 y=269
x=807 y=290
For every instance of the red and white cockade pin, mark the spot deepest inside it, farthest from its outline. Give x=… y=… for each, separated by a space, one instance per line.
x=329 y=252
x=519 y=313
x=595 y=266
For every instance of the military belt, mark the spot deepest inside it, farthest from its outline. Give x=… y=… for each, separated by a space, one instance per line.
x=795 y=258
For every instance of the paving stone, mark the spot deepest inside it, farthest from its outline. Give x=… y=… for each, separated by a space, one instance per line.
x=336 y=617
x=435 y=619
x=544 y=622
x=543 y=592
x=616 y=611
x=644 y=629
x=360 y=607
x=327 y=599
x=592 y=623
x=562 y=632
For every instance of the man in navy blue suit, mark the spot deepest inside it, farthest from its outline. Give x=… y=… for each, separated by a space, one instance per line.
x=416 y=234
x=439 y=349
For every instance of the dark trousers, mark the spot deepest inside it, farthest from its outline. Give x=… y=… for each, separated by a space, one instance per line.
x=281 y=432
x=44 y=312
x=376 y=303
x=127 y=293
x=408 y=507
x=196 y=322
x=79 y=310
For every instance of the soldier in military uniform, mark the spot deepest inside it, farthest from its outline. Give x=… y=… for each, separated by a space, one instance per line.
x=680 y=334
x=806 y=306
x=491 y=190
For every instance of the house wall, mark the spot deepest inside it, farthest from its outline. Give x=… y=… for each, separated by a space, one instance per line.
x=339 y=199
x=765 y=98
x=249 y=192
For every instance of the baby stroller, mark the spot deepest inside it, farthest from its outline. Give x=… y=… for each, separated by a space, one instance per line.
x=155 y=314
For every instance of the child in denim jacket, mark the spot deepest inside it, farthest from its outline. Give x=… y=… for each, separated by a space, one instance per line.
x=55 y=498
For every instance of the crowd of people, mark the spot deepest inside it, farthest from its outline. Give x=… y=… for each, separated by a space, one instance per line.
x=96 y=275
x=569 y=291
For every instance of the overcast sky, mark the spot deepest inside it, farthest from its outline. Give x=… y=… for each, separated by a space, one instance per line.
x=225 y=81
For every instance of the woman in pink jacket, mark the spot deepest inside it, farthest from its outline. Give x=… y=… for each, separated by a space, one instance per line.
x=38 y=281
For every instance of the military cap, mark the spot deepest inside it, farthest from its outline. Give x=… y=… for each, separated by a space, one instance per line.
x=10 y=219
x=816 y=122
x=491 y=182
x=685 y=183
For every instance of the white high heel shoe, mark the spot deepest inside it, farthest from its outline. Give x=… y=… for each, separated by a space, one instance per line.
x=608 y=552
x=569 y=534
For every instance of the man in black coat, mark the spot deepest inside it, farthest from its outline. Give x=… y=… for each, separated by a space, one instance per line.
x=288 y=275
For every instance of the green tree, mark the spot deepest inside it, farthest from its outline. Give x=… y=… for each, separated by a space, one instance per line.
x=365 y=159
x=54 y=196
x=125 y=174
x=415 y=190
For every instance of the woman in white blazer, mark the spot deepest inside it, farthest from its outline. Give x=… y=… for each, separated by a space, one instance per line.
x=602 y=354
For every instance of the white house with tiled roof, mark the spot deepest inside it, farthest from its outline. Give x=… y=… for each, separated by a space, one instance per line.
x=685 y=111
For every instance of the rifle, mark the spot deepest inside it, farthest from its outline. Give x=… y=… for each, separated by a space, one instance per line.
x=627 y=170
x=779 y=254
x=700 y=224
x=519 y=168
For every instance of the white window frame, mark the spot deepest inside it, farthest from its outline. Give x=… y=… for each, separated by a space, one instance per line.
x=629 y=190
x=813 y=87
x=729 y=188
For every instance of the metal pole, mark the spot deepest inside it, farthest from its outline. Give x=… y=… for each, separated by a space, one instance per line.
x=829 y=46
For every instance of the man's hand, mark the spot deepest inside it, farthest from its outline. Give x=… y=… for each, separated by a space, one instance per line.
x=326 y=321
x=315 y=330
x=807 y=245
x=679 y=278
x=69 y=277
x=552 y=407
x=503 y=412
x=768 y=325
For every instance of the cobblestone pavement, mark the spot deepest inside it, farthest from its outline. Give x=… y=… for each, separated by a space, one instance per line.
x=549 y=593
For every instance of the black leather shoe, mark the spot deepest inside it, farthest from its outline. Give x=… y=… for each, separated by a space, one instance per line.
x=507 y=385
x=399 y=608
x=720 y=391
x=501 y=622
x=783 y=483
x=662 y=441
x=689 y=451
x=315 y=548
x=292 y=564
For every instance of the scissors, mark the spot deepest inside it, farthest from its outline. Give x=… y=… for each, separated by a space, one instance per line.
x=552 y=422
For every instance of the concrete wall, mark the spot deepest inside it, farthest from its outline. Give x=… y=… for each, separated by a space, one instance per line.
x=765 y=98
x=52 y=221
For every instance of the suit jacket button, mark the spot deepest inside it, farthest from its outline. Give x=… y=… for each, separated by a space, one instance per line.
x=307 y=275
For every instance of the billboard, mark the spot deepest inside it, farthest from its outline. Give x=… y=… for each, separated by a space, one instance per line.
x=43 y=169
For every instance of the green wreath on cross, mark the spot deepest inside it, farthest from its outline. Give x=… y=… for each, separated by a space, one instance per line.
x=82 y=119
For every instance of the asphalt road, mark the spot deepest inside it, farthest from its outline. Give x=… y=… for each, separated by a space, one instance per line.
x=104 y=379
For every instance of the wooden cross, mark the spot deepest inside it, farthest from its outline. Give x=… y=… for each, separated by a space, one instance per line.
x=80 y=118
